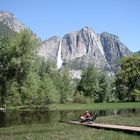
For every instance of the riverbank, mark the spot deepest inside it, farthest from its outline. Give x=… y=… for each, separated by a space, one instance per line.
x=77 y=106
x=61 y=131
x=96 y=106
x=56 y=130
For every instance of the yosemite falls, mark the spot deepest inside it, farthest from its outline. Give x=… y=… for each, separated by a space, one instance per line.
x=59 y=60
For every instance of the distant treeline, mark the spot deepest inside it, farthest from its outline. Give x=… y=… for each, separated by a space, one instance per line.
x=27 y=79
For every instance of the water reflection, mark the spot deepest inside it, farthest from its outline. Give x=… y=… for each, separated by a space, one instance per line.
x=117 y=112
x=10 y=118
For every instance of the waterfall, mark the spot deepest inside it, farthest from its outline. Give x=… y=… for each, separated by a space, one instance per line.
x=59 y=60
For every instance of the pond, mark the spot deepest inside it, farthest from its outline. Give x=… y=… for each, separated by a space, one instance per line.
x=12 y=118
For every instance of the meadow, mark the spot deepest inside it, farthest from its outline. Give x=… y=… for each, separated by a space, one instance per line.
x=62 y=131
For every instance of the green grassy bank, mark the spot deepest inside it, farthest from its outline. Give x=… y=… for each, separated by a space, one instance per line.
x=61 y=131
x=77 y=106
x=72 y=106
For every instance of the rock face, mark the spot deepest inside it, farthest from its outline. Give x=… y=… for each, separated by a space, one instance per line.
x=10 y=21
x=84 y=47
x=50 y=48
x=9 y=24
x=113 y=49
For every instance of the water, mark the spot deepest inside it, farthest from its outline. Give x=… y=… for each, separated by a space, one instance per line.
x=59 y=57
x=12 y=118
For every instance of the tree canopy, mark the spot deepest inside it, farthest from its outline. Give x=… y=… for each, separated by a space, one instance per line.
x=128 y=78
x=16 y=55
x=95 y=84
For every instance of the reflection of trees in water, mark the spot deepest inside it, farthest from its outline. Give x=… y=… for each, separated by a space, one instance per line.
x=2 y=118
x=117 y=112
x=39 y=116
x=70 y=115
x=26 y=117
x=11 y=118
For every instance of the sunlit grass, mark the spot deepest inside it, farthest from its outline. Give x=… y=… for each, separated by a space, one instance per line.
x=72 y=106
x=77 y=106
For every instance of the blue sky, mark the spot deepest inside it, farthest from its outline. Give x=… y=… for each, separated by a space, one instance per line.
x=57 y=17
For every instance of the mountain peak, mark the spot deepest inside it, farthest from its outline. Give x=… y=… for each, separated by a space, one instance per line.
x=108 y=35
x=53 y=38
x=6 y=14
x=87 y=29
x=10 y=21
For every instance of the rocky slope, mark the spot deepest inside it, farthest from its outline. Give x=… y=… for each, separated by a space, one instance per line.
x=84 y=47
x=11 y=22
x=113 y=49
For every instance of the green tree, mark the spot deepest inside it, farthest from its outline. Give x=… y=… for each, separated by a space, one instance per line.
x=16 y=55
x=13 y=97
x=95 y=84
x=128 y=79
x=105 y=88
x=38 y=88
x=48 y=91
x=64 y=85
x=26 y=45
x=6 y=53
x=89 y=83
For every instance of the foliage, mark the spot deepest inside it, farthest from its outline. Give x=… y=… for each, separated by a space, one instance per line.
x=89 y=82
x=13 y=97
x=95 y=84
x=16 y=55
x=48 y=92
x=27 y=79
x=64 y=85
x=80 y=98
x=6 y=53
x=105 y=93
x=128 y=79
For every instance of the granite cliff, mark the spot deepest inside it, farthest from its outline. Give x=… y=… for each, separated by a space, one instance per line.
x=84 y=47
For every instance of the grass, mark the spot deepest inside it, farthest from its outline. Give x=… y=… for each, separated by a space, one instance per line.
x=61 y=131
x=77 y=106
x=74 y=106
